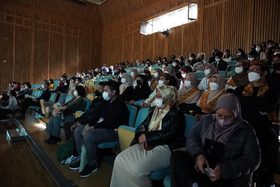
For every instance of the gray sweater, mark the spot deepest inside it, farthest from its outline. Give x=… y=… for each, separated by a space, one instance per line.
x=12 y=103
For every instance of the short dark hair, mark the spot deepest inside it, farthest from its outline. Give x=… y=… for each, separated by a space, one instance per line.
x=252 y=52
x=46 y=82
x=177 y=61
x=13 y=93
x=28 y=84
x=193 y=55
x=79 y=79
x=73 y=78
x=113 y=85
x=81 y=91
x=219 y=54
x=51 y=81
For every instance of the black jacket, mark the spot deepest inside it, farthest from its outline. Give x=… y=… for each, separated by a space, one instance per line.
x=222 y=65
x=45 y=95
x=114 y=114
x=172 y=133
x=242 y=153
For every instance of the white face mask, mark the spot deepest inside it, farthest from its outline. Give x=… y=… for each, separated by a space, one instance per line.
x=251 y=59
x=42 y=86
x=156 y=74
x=217 y=60
x=269 y=46
x=65 y=83
x=276 y=53
x=163 y=66
x=188 y=83
x=61 y=79
x=158 y=103
x=184 y=75
x=132 y=74
x=165 y=72
x=207 y=71
x=191 y=58
x=238 y=54
x=214 y=86
x=160 y=83
x=174 y=64
x=123 y=80
x=258 y=49
x=106 y=96
x=238 y=70
x=253 y=77
x=75 y=93
x=26 y=87
x=120 y=75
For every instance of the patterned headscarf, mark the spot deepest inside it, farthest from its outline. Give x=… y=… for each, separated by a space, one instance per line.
x=128 y=82
x=169 y=96
x=213 y=70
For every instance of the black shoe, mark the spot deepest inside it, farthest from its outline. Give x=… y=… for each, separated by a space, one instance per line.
x=54 y=140
x=75 y=166
x=50 y=138
x=21 y=117
x=88 y=170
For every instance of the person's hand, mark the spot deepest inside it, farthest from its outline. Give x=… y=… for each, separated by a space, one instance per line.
x=131 y=102
x=61 y=107
x=87 y=129
x=145 y=105
x=76 y=124
x=35 y=100
x=200 y=162
x=217 y=174
x=142 y=141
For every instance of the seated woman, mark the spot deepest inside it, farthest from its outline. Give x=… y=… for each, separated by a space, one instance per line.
x=165 y=79
x=207 y=102
x=223 y=142
x=171 y=71
x=126 y=88
x=184 y=71
x=26 y=90
x=154 y=81
x=51 y=84
x=9 y=109
x=67 y=112
x=141 y=91
x=134 y=73
x=155 y=139
x=241 y=77
x=148 y=75
x=189 y=94
x=209 y=70
x=226 y=56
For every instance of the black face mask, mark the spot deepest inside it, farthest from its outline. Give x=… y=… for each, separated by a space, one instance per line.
x=276 y=66
x=98 y=93
x=199 y=60
x=138 y=82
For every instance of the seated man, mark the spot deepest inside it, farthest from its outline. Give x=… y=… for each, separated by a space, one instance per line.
x=220 y=64
x=35 y=102
x=86 y=118
x=112 y=113
x=26 y=90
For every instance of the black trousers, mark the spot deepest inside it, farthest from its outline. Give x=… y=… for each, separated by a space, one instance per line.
x=184 y=174
x=4 y=112
x=28 y=102
x=68 y=133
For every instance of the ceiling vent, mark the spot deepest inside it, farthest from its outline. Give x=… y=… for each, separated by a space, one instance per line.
x=98 y=2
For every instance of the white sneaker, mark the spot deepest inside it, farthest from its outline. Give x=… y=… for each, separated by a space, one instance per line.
x=71 y=160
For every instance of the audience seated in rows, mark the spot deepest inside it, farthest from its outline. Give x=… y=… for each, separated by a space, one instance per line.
x=11 y=107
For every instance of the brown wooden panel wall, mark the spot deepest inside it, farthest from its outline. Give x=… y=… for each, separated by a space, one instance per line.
x=41 y=45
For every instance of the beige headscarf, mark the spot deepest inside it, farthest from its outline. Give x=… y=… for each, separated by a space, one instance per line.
x=213 y=70
x=135 y=73
x=169 y=98
x=194 y=82
x=215 y=93
x=128 y=82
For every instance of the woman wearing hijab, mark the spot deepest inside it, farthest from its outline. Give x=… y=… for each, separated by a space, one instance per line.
x=134 y=73
x=241 y=77
x=223 y=142
x=184 y=71
x=154 y=81
x=207 y=102
x=155 y=139
x=65 y=112
x=209 y=70
x=189 y=95
x=172 y=72
x=126 y=88
x=141 y=91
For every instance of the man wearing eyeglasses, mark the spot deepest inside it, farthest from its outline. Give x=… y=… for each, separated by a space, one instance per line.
x=256 y=99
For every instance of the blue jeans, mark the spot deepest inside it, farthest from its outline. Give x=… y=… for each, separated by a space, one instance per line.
x=91 y=141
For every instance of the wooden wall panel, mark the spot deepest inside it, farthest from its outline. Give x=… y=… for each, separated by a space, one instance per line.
x=56 y=46
x=84 y=57
x=212 y=29
x=148 y=47
x=96 y=57
x=175 y=41
x=160 y=46
x=40 y=67
x=128 y=47
x=71 y=64
x=190 y=38
x=137 y=51
x=6 y=54
x=23 y=54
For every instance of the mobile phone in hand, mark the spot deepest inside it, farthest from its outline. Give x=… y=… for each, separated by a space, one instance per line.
x=208 y=172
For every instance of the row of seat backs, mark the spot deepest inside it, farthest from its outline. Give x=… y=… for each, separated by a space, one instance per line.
x=35 y=94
